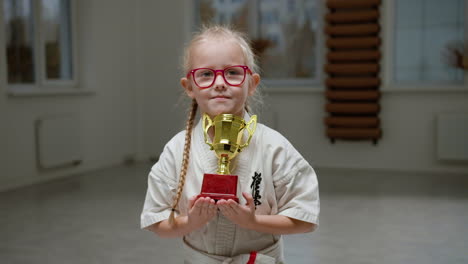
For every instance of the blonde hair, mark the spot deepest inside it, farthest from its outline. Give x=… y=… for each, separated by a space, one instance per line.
x=215 y=32
x=220 y=33
x=185 y=158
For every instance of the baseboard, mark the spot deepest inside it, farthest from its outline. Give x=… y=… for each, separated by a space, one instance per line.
x=384 y=171
x=11 y=184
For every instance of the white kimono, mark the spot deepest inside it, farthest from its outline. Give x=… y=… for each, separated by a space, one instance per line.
x=270 y=168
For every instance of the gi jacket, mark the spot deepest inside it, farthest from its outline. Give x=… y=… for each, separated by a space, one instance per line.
x=280 y=180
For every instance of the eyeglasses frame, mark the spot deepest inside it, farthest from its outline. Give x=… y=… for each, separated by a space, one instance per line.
x=192 y=72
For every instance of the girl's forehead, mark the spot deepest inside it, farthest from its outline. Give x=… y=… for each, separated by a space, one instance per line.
x=211 y=50
x=213 y=42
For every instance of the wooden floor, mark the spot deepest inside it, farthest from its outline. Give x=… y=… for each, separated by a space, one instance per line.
x=366 y=217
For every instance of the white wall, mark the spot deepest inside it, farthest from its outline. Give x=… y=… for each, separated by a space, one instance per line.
x=106 y=47
x=160 y=40
x=130 y=55
x=408 y=124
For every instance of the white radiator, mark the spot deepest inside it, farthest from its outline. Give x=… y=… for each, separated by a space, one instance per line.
x=58 y=141
x=452 y=136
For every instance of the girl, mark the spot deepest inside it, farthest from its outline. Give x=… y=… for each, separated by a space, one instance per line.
x=279 y=188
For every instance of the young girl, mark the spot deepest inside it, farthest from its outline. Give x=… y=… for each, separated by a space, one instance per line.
x=277 y=188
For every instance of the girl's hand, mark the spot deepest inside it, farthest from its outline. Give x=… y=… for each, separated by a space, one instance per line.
x=242 y=215
x=201 y=211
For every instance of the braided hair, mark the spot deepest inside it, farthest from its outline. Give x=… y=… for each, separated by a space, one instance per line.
x=186 y=156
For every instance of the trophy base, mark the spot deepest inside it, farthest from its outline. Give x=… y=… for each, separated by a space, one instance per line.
x=219 y=187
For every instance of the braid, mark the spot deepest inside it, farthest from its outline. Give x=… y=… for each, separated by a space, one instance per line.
x=186 y=157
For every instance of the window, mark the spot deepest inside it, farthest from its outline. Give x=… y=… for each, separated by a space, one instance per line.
x=284 y=33
x=39 y=43
x=424 y=29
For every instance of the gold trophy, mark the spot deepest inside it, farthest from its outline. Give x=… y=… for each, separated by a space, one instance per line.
x=228 y=132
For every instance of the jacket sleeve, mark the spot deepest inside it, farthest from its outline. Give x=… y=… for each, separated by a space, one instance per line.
x=162 y=185
x=296 y=185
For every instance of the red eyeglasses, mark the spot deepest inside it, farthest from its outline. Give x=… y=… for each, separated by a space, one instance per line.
x=232 y=75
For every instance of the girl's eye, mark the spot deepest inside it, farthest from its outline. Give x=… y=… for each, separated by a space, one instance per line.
x=204 y=73
x=233 y=72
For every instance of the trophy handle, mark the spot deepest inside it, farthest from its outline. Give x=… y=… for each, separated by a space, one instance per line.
x=250 y=126
x=205 y=129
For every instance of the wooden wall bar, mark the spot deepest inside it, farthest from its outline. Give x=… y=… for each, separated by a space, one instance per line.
x=353 y=29
x=354 y=55
x=353 y=82
x=370 y=15
x=352 y=4
x=353 y=68
x=353 y=95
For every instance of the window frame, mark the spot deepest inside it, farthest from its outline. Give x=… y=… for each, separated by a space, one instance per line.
x=296 y=85
x=42 y=86
x=390 y=84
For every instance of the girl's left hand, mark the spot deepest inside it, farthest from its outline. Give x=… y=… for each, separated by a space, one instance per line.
x=242 y=215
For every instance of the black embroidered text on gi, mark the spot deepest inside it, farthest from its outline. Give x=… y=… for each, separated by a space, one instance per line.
x=255 y=186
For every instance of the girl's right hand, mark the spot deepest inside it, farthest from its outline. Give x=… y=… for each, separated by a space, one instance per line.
x=201 y=211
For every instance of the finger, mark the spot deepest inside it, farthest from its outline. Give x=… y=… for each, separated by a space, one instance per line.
x=213 y=204
x=205 y=206
x=208 y=206
x=233 y=206
x=198 y=206
x=220 y=203
x=226 y=212
x=212 y=208
x=249 y=199
x=224 y=208
x=192 y=201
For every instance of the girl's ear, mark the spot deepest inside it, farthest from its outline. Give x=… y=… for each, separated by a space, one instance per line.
x=254 y=83
x=187 y=87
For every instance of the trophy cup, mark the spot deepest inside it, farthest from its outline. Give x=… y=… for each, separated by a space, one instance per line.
x=226 y=143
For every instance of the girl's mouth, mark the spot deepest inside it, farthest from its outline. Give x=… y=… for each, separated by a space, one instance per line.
x=220 y=97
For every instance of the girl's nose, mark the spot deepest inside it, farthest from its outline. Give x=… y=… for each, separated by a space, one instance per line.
x=219 y=82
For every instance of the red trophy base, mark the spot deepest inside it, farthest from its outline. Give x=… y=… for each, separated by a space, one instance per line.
x=219 y=187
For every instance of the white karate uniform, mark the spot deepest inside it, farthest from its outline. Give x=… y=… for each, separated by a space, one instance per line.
x=287 y=185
